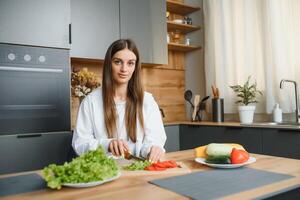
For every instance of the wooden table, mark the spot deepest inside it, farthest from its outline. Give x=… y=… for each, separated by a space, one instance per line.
x=137 y=187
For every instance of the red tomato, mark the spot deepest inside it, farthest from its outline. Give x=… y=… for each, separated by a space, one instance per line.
x=239 y=156
x=154 y=168
x=166 y=164
x=159 y=166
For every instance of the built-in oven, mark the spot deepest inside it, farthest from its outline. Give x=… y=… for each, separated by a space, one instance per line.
x=34 y=89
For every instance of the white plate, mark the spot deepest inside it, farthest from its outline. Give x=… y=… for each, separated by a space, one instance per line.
x=226 y=166
x=91 y=184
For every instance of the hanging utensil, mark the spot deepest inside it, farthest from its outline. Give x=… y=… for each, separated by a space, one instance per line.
x=188 y=95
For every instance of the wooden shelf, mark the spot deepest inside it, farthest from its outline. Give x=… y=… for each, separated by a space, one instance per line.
x=182 y=47
x=180 y=8
x=183 y=28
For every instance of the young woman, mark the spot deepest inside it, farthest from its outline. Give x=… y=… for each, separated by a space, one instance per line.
x=120 y=116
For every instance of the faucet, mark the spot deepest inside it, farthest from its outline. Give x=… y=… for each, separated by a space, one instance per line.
x=296 y=96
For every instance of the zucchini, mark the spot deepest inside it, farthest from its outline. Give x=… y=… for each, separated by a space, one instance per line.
x=216 y=149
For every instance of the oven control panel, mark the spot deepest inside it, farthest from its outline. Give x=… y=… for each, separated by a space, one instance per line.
x=29 y=55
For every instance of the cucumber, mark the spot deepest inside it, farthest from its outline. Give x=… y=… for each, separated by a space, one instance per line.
x=218 y=159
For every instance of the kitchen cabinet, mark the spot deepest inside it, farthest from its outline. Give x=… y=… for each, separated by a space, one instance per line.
x=269 y=141
x=172 y=143
x=144 y=22
x=32 y=152
x=95 y=25
x=250 y=138
x=281 y=142
x=194 y=136
x=35 y=22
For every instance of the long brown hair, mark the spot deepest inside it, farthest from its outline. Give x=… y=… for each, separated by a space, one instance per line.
x=135 y=92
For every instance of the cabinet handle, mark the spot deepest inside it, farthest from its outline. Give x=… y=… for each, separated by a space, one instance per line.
x=234 y=127
x=70 y=33
x=29 y=135
x=286 y=130
x=30 y=69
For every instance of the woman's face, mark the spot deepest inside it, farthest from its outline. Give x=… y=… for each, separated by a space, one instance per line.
x=123 y=65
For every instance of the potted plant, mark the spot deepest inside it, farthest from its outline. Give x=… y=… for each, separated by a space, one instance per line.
x=247 y=96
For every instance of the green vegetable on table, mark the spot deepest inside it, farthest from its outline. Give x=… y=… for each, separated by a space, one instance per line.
x=218 y=159
x=215 y=149
x=89 y=167
x=138 y=165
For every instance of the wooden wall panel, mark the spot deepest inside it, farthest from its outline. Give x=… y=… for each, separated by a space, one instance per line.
x=163 y=78
x=174 y=113
x=176 y=60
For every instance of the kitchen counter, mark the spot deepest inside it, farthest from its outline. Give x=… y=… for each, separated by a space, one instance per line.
x=204 y=123
x=235 y=124
x=137 y=187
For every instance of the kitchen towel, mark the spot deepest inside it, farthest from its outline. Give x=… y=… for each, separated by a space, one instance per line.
x=218 y=183
x=21 y=184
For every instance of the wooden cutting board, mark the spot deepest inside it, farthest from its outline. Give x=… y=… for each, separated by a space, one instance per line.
x=183 y=169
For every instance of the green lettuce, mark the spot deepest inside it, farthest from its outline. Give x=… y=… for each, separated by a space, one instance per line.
x=89 y=167
x=138 y=165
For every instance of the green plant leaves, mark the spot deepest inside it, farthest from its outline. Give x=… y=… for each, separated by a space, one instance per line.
x=246 y=93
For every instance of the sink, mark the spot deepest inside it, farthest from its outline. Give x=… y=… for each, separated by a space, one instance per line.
x=275 y=124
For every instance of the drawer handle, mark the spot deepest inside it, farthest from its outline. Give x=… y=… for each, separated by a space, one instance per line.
x=234 y=127
x=29 y=135
x=287 y=130
x=30 y=69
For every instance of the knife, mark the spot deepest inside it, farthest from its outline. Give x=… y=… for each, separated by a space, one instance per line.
x=129 y=156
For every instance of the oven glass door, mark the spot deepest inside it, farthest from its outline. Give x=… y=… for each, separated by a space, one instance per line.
x=34 y=99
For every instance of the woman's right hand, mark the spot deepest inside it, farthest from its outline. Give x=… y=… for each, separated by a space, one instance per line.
x=117 y=147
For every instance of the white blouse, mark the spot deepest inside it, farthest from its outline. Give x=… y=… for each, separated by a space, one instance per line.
x=90 y=130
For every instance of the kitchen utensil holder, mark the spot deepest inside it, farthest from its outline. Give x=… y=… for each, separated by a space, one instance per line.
x=200 y=110
x=218 y=110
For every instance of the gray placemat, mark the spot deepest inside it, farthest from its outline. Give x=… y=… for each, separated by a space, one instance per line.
x=218 y=183
x=21 y=184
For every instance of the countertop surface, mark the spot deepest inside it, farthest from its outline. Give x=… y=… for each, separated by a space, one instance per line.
x=236 y=124
x=137 y=187
x=204 y=123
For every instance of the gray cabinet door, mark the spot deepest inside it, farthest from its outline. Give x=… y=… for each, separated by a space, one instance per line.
x=31 y=153
x=281 y=142
x=194 y=136
x=95 y=25
x=250 y=138
x=35 y=22
x=144 y=22
x=172 y=143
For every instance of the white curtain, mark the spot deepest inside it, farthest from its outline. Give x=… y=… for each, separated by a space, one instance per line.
x=260 y=38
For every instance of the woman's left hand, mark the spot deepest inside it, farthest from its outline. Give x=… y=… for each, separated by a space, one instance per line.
x=156 y=153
